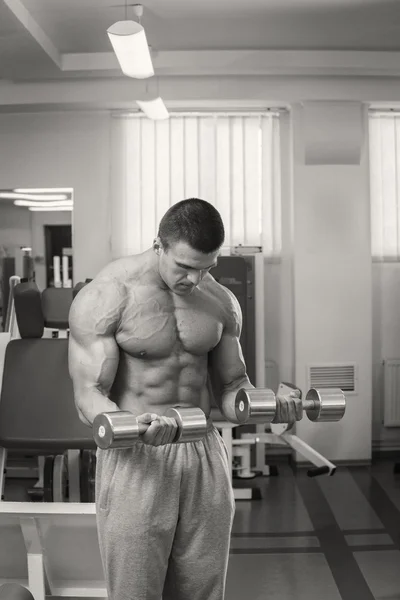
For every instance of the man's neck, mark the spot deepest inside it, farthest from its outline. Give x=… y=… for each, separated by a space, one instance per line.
x=152 y=260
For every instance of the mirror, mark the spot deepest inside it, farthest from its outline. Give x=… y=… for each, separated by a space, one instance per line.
x=36 y=237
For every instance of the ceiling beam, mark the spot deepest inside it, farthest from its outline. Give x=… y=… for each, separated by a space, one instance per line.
x=122 y=92
x=251 y=63
x=26 y=19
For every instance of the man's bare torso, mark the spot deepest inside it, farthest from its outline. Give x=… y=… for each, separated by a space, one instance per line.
x=164 y=339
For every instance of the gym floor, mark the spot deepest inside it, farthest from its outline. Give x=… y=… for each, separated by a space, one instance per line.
x=330 y=538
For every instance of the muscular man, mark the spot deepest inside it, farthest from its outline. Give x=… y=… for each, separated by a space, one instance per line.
x=143 y=336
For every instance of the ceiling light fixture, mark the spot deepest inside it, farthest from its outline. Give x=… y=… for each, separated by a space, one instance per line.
x=154 y=109
x=50 y=209
x=44 y=204
x=129 y=42
x=18 y=196
x=43 y=190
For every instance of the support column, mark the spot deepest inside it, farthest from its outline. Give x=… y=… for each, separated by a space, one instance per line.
x=332 y=265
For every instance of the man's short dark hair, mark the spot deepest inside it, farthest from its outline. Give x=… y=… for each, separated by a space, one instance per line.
x=195 y=222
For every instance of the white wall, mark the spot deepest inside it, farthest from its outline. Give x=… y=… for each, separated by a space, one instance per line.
x=15 y=228
x=64 y=150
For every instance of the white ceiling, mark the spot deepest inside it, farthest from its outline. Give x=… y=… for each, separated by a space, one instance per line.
x=35 y=34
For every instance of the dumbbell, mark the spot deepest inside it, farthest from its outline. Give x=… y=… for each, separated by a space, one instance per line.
x=259 y=405
x=121 y=429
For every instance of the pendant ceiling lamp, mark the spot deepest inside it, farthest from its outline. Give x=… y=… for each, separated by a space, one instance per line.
x=154 y=109
x=129 y=42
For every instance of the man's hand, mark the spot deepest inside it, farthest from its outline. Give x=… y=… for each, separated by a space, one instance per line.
x=162 y=430
x=289 y=408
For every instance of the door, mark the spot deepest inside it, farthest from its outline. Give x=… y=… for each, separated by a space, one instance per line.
x=58 y=242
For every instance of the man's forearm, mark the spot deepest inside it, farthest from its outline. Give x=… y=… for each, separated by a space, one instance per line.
x=92 y=404
x=227 y=401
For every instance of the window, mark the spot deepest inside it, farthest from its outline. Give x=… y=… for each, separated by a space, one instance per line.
x=230 y=160
x=384 y=147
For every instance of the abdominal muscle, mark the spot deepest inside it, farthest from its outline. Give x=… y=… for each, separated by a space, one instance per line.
x=154 y=386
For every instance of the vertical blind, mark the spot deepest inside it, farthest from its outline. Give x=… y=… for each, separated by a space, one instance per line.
x=232 y=161
x=384 y=155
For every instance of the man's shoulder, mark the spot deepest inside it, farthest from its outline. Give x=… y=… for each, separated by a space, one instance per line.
x=106 y=295
x=225 y=297
x=220 y=291
x=120 y=271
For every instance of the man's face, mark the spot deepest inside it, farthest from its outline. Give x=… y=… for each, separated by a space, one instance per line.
x=182 y=268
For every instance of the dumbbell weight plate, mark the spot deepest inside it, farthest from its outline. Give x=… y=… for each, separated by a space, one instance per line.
x=48 y=475
x=119 y=427
x=325 y=404
x=255 y=406
x=87 y=475
x=60 y=479
x=192 y=424
x=92 y=477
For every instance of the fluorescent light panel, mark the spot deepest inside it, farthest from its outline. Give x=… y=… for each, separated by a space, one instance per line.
x=44 y=204
x=43 y=190
x=130 y=45
x=17 y=196
x=50 y=209
x=154 y=109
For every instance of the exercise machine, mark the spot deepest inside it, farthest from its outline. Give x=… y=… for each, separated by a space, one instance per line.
x=39 y=316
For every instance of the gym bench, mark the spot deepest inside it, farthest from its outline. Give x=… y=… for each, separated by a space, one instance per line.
x=51 y=547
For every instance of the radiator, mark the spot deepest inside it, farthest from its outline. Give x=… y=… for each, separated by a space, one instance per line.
x=391 y=394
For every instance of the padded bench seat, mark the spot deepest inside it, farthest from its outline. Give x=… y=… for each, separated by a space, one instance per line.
x=37 y=409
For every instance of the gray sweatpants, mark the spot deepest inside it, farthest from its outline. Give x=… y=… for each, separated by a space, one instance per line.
x=164 y=519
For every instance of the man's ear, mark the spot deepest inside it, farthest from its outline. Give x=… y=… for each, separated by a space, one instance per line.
x=157 y=245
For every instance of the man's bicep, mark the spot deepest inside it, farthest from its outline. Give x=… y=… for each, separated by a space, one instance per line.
x=93 y=362
x=226 y=361
x=93 y=350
